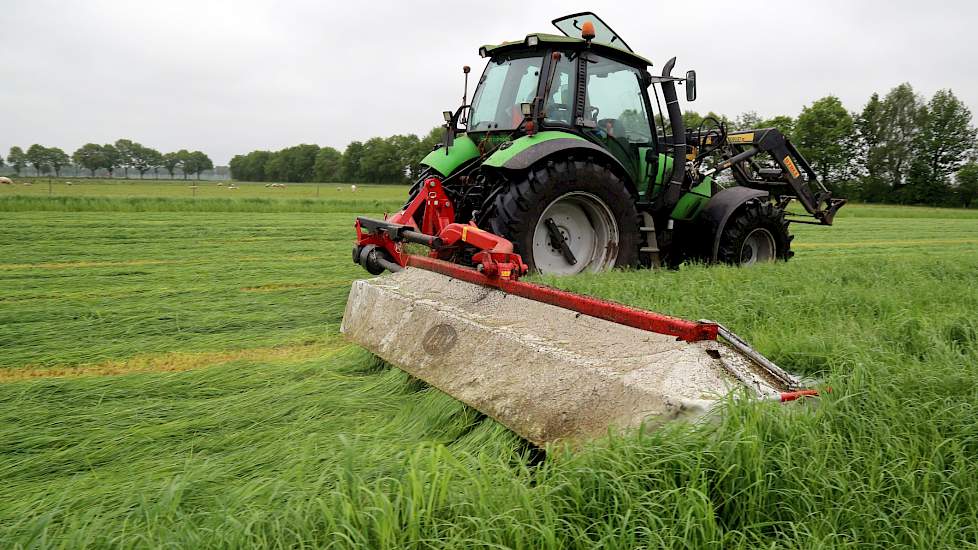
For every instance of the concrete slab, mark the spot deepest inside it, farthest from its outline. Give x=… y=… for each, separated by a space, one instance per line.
x=547 y=373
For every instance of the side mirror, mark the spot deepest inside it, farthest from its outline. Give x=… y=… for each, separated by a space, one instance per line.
x=690 y=85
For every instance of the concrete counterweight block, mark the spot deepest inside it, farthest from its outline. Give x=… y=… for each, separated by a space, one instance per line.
x=547 y=373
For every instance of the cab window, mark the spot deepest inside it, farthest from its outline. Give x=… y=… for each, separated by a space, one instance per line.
x=615 y=102
x=560 y=99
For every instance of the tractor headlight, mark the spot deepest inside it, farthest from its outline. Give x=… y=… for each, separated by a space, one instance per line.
x=532 y=40
x=526 y=109
x=447 y=115
x=483 y=52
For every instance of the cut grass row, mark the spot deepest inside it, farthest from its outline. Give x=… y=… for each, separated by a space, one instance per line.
x=338 y=450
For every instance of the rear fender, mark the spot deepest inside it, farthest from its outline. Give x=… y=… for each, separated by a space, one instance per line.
x=527 y=151
x=718 y=211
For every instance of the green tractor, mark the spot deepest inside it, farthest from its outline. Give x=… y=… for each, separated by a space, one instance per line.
x=565 y=152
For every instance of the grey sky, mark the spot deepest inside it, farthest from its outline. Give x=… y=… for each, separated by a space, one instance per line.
x=230 y=77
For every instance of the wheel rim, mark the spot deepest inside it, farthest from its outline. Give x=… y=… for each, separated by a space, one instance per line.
x=589 y=230
x=758 y=247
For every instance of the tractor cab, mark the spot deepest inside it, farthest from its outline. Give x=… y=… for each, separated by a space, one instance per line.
x=594 y=87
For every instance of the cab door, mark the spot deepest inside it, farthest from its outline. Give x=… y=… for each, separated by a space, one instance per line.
x=616 y=114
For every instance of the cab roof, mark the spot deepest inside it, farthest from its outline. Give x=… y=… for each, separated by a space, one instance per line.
x=544 y=40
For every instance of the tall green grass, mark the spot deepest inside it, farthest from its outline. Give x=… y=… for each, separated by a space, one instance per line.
x=341 y=451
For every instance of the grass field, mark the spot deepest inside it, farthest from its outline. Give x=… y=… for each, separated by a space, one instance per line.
x=171 y=375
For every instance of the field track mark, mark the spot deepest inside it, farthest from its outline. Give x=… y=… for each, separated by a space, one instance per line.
x=74 y=265
x=277 y=287
x=173 y=361
x=860 y=244
x=129 y=263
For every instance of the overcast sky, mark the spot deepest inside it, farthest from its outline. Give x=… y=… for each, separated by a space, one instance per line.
x=231 y=77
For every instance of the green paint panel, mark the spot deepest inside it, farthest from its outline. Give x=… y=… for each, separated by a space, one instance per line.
x=502 y=156
x=644 y=178
x=663 y=170
x=691 y=203
x=444 y=162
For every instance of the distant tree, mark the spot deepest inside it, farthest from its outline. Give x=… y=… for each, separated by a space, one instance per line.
x=111 y=159
x=747 y=121
x=275 y=167
x=57 y=159
x=127 y=152
x=967 y=188
x=17 y=159
x=201 y=163
x=900 y=120
x=145 y=159
x=947 y=137
x=250 y=167
x=89 y=157
x=407 y=155
x=822 y=134
x=867 y=158
x=37 y=156
x=187 y=162
x=380 y=162
x=784 y=123
x=351 y=162
x=293 y=164
x=1 y=161
x=170 y=163
x=329 y=165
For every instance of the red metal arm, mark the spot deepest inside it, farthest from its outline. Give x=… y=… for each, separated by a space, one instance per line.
x=495 y=257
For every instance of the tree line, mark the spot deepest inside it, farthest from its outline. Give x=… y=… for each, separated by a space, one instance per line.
x=394 y=159
x=124 y=154
x=899 y=148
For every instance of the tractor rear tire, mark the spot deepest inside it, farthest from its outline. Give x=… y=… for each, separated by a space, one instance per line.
x=585 y=202
x=756 y=233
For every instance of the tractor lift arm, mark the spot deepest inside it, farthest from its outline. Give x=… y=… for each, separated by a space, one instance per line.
x=793 y=177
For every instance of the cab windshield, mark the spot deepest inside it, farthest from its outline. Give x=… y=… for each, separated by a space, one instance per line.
x=505 y=84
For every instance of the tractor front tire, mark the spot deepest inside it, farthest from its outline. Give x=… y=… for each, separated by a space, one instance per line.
x=756 y=233
x=568 y=216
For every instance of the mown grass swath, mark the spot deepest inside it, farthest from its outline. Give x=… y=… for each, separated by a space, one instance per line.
x=323 y=446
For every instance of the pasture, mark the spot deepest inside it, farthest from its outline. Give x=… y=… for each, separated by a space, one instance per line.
x=171 y=374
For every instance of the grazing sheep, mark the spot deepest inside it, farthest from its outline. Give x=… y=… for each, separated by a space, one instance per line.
x=278 y=185
x=6 y=181
x=353 y=188
x=68 y=183
x=27 y=183
x=220 y=184
x=339 y=188
x=232 y=186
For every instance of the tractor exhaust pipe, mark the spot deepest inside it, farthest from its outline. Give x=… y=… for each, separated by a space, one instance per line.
x=673 y=190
